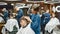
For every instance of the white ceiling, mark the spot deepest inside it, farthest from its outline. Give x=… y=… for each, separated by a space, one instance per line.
x=3 y=3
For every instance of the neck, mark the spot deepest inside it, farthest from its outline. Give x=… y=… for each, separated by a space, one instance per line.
x=11 y=17
x=34 y=12
x=53 y=17
x=47 y=12
x=25 y=26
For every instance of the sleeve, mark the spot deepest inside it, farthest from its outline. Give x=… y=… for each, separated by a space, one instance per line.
x=47 y=19
x=36 y=22
x=30 y=31
x=57 y=21
x=20 y=13
x=17 y=25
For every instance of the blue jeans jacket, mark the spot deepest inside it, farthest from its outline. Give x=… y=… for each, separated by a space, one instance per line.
x=20 y=14
x=35 y=25
x=45 y=18
x=6 y=14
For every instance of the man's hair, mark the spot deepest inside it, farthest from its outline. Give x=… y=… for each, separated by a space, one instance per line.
x=10 y=15
x=36 y=9
x=26 y=20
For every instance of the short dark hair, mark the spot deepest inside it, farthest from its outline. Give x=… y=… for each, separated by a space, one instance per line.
x=36 y=9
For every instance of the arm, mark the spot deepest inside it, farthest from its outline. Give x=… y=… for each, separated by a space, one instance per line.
x=36 y=23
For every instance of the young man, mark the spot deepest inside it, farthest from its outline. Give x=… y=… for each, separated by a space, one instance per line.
x=19 y=14
x=11 y=26
x=52 y=23
x=44 y=20
x=25 y=22
x=36 y=20
x=5 y=14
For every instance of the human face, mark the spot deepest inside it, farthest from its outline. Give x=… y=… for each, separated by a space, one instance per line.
x=16 y=9
x=11 y=17
x=3 y=9
x=47 y=11
x=23 y=23
x=32 y=11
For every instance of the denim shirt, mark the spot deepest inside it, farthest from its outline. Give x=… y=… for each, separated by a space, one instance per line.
x=6 y=14
x=35 y=25
x=45 y=18
x=20 y=14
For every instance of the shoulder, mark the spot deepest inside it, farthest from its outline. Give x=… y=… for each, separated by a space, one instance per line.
x=56 y=19
x=38 y=15
x=8 y=19
x=12 y=20
x=1 y=18
x=30 y=31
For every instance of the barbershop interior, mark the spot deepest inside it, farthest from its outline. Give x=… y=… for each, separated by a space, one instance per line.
x=13 y=14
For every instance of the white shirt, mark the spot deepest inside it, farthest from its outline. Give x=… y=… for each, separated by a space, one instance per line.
x=1 y=19
x=26 y=30
x=51 y=24
x=10 y=24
